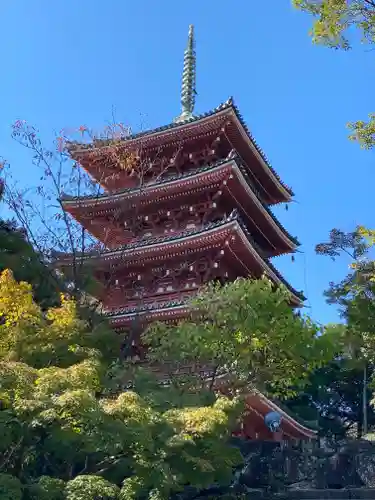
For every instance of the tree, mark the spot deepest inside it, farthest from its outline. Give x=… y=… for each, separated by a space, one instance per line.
x=245 y=331
x=333 y=396
x=355 y=297
x=17 y=254
x=335 y=20
x=39 y=209
x=58 y=338
x=336 y=17
x=63 y=435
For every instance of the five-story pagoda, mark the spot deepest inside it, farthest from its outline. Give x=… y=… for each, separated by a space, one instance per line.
x=183 y=204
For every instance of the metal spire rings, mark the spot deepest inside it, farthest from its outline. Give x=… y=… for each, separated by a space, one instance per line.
x=188 y=91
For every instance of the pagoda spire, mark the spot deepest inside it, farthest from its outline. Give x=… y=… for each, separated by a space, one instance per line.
x=188 y=91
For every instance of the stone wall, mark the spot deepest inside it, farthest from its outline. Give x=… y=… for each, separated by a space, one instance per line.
x=330 y=494
x=274 y=472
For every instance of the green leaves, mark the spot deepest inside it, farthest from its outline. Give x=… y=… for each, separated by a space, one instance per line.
x=54 y=381
x=58 y=337
x=89 y=487
x=18 y=255
x=10 y=488
x=245 y=330
x=355 y=294
x=363 y=132
x=66 y=435
x=333 y=396
x=355 y=244
x=47 y=488
x=334 y=19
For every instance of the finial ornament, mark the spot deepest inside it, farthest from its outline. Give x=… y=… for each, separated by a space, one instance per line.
x=188 y=91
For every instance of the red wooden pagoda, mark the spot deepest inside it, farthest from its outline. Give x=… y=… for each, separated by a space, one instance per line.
x=182 y=205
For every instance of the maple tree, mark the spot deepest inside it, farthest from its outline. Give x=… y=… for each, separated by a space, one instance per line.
x=18 y=254
x=63 y=436
x=50 y=231
x=38 y=209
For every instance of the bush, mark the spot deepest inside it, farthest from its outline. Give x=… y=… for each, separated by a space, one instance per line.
x=47 y=488
x=10 y=487
x=91 y=488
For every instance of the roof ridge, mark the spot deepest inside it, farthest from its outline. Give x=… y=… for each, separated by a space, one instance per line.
x=229 y=103
x=233 y=217
x=155 y=240
x=108 y=142
x=160 y=181
x=186 y=175
x=154 y=306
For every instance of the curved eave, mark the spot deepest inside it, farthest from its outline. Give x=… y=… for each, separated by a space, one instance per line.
x=91 y=205
x=76 y=149
x=268 y=267
x=241 y=177
x=214 y=235
x=166 y=133
x=170 y=312
x=105 y=200
x=263 y=405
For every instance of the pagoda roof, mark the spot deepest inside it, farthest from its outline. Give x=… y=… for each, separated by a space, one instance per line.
x=78 y=149
x=163 y=186
x=162 y=246
x=96 y=199
x=155 y=310
x=165 y=311
x=292 y=424
x=312 y=425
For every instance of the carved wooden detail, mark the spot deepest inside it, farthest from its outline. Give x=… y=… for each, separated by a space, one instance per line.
x=160 y=283
x=150 y=166
x=121 y=228
x=190 y=156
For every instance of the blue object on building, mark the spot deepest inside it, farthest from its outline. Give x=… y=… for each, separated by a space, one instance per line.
x=273 y=421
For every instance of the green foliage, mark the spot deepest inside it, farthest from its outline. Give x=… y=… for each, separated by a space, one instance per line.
x=47 y=488
x=60 y=424
x=355 y=296
x=355 y=244
x=18 y=255
x=333 y=396
x=363 y=132
x=334 y=20
x=355 y=293
x=336 y=17
x=91 y=487
x=245 y=330
x=58 y=337
x=10 y=488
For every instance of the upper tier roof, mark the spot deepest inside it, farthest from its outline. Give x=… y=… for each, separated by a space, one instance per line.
x=273 y=189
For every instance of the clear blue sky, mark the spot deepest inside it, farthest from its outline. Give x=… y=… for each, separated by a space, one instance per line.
x=68 y=63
